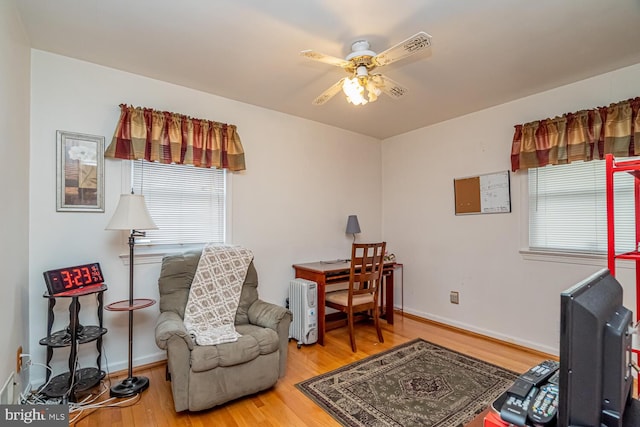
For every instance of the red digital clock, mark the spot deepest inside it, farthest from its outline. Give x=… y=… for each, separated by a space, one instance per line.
x=68 y=279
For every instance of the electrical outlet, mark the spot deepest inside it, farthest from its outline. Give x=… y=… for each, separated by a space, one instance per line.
x=19 y=360
x=454 y=297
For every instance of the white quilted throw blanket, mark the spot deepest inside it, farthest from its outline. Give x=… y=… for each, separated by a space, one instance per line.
x=215 y=294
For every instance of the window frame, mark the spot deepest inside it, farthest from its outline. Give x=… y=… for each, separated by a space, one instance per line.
x=150 y=253
x=550 y=255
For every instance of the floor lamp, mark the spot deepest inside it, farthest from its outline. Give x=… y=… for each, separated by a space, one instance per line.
x=131 y=214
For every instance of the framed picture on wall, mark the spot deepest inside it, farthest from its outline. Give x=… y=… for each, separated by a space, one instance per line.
x=80 y=172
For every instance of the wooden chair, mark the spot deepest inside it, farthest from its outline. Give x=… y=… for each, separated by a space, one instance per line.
x=365 y=278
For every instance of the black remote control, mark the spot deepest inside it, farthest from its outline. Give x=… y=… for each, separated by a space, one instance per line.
x=544 y=406
x=520 y=395
x=515 y=409
x=520 y=388
x=540 y=373
x=555 y=378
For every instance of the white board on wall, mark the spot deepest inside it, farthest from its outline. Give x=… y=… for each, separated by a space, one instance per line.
x=488 y=193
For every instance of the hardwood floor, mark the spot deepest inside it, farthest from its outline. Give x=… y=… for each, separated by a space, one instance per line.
x=284 y=405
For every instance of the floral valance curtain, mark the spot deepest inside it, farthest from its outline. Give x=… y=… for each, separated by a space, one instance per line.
x=161 y=136
x=584 y=135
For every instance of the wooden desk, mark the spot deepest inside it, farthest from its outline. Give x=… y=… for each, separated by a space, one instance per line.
x=326 y=273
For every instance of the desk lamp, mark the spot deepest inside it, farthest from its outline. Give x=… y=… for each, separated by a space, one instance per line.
x=352 y=226
x=131 y=214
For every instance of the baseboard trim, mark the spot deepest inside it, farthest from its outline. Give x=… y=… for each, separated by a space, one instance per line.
x=124 y=372
x=120 y=368
x=542 y=352
x=138 y=363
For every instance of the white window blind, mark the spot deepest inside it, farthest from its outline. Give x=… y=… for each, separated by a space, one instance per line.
x=568 y=208
x=186 y=203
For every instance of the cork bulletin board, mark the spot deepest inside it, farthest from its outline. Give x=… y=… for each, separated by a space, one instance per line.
x=489 y=193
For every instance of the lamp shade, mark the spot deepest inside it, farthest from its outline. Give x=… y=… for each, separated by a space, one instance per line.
x=131 y=214
x=353 y=226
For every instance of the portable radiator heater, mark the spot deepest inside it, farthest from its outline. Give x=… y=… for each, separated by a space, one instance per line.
x=303 y=301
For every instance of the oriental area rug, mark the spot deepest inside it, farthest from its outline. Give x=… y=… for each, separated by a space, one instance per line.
x=415 y=384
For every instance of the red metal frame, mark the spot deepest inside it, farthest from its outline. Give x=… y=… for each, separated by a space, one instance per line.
x=632 y=167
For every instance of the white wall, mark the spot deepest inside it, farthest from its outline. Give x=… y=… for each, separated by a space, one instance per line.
x=14 y=174
x=291 y=205
x=501 y=294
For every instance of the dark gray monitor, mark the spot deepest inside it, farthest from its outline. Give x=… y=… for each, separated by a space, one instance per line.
x=595 y=353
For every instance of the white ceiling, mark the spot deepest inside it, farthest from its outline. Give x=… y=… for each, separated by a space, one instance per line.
x=483 y=53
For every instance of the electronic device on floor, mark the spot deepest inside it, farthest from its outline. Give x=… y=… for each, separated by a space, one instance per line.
x=303 y=301
x=593 y=382
x=532 y=396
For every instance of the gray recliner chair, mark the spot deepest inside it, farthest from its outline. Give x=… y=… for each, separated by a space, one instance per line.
x=210 y=375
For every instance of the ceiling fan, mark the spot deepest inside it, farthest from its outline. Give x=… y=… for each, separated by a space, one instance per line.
x=361 y=62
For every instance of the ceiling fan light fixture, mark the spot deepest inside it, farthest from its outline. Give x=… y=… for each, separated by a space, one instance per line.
x=360 y=90
x=363 y=87
x=372 y=91
x=354 y=91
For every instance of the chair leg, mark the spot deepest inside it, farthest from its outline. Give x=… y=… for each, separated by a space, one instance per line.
x=352 y=336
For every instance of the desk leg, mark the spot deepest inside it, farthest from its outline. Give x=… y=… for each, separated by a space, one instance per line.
x=321 y=311
x=388 y=291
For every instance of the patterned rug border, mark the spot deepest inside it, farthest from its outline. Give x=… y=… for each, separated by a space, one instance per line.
x=302 y=386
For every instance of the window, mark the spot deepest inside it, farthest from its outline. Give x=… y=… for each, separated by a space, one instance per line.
x=568 y=208
x=186 y=203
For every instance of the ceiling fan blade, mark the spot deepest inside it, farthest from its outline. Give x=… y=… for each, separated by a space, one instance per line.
x=388 y=86
x=413 y=44
x=329 y=93
x=321 y=57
